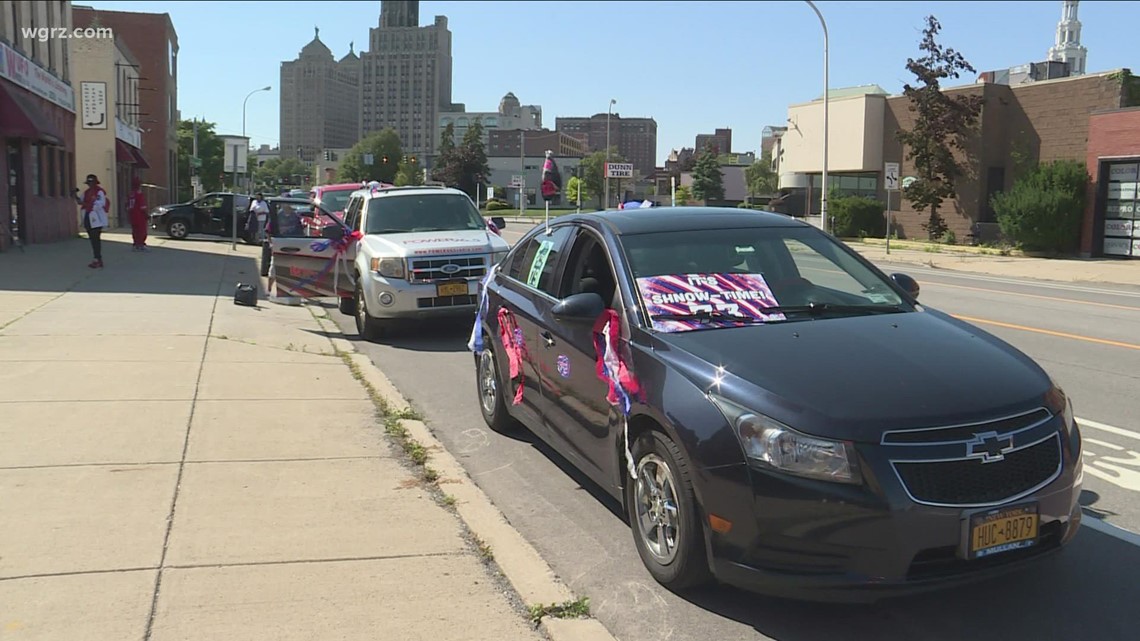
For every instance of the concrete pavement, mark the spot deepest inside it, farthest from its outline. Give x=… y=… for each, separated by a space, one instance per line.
x=178 y=467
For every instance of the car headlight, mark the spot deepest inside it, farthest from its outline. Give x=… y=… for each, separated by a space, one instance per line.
x=497 y=257
x=388 y=267
x=771 y=443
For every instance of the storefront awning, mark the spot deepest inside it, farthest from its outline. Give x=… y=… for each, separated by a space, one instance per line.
x=20 y=118
x=140 y=160
x=123 y=152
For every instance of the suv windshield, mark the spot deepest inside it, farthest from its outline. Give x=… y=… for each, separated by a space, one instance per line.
x=336 y=200
x=422 y=212
x=729 y=277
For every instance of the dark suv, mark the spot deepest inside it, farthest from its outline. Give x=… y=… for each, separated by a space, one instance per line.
x=212 y=214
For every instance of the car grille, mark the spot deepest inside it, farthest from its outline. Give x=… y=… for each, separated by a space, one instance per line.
x=966 y=432
x=446 y=301
x=971 y=482
x=427 y=270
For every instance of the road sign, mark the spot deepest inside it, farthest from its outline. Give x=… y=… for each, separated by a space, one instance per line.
x=908 y=181
x=368 y=158
x=619 y=170
x=891 y=176
x=518 y=180
x=195 y=162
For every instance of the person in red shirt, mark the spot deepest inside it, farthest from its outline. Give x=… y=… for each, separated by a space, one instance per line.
x=136 y=208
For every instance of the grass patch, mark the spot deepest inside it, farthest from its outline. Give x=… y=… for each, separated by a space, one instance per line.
x=485 y=552
x=576 y=609
x=448 y=500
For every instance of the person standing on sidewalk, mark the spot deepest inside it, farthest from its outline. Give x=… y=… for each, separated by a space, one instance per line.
x=95 y=205
x=258 y=218
x=136 y=207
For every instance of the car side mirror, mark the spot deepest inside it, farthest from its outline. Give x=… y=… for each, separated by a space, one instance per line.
x=908 y=284
x=335 y=232
x=586 y=306
x=499 y=221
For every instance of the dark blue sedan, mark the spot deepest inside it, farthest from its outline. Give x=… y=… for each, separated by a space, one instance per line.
x=772 y=410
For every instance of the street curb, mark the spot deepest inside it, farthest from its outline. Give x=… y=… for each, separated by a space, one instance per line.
x=527 y=572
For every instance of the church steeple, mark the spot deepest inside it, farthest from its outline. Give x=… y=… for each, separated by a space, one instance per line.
x=1067 y=47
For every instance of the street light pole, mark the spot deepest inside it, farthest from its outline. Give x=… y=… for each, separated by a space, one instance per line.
x=606 y=167
x=243 y=104
x=823 y=191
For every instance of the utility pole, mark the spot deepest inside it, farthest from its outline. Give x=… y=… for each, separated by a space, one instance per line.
x=522 y=169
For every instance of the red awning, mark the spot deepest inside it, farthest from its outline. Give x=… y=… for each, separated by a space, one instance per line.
x=20 y=118
x=140 y=160
x=123 y=152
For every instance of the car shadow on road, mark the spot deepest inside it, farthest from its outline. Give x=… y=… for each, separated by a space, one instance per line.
x=1087 y=592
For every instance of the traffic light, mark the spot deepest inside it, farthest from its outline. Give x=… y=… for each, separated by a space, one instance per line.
x=328 y=155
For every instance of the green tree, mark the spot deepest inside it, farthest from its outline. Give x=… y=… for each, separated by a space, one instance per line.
x=760 y=177
x=409 y=174
x=1043 y=210
x=572 y=187
x=708 y=180
x=211 y=151
x=941 y=126
x=463 y=166
x=384 y=146
x=593 y=173
x=683 y=195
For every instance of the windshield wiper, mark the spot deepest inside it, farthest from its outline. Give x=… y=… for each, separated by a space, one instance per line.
x=815 y=309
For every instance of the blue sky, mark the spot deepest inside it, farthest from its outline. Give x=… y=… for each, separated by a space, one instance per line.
x=693 y=66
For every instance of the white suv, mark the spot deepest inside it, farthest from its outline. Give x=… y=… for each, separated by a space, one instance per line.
x=423 y=253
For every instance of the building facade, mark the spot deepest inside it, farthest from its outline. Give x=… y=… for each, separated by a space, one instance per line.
x=152 y=40
x=503 y=169
x=511 y=116
x=1111 y=226
x=406 y=77
x=107 y=137
x=720 y=141
x=37 y=125
x=634 y=138
x=320 y=101
x=507 y=143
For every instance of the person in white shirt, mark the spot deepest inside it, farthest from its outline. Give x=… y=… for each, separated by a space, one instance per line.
x=259 y=212
x=95 y=205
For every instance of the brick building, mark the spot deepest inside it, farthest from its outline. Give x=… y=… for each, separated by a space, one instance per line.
x=720 y=141
x=507 y=142
x=37 y=126
x=1018 y=127
x=634 y=138
x=1113 y=203
x=153 y=41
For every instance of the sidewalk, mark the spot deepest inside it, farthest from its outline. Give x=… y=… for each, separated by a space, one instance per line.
x=177 y=467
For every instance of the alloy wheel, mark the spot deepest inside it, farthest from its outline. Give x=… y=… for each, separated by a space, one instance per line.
x=488 y=387
x=658 y=517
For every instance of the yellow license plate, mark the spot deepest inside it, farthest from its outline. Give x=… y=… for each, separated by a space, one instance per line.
x=1003 y=530
x=451 y=289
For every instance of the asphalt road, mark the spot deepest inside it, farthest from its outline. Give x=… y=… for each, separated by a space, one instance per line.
x=1088 y=338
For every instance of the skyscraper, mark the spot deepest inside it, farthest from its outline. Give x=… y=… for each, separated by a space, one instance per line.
x=320 y=101
x=1067 y=47
x=406 y=77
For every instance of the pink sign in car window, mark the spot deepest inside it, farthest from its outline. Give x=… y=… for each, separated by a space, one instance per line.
x=746 y=296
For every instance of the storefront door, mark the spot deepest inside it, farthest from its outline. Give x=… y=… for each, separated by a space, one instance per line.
x=1121 y=209
x=15 y=205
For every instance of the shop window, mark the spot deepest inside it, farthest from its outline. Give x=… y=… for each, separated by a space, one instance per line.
x=35 y=178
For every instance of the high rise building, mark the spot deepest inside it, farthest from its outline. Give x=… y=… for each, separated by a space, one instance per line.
x=634 y=138
x=320 y=101
x=1067 y=47
x=720 y=141
x=406 y=77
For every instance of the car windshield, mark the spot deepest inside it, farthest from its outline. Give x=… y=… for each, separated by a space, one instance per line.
x=731 y=277
x=422 y=212
x=336 y=200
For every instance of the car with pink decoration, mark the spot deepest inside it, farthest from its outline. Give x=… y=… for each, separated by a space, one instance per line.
x=773 y=411
x=399 y=253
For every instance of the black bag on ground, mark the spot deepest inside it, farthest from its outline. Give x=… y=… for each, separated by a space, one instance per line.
x=245 y=295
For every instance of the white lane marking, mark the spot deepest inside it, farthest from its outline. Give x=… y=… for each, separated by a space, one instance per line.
x=1119 y=431
x=1111 y=446
x=1025 y=283
x=1111 y=530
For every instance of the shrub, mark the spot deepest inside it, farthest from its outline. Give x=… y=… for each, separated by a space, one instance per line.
x=496 y=205
x=853 y=216
x=1043 y=209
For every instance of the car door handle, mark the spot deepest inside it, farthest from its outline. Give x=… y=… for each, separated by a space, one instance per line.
x=549 y=338
x=289 y=250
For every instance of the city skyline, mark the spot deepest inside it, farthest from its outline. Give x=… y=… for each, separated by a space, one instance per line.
x=571 y=78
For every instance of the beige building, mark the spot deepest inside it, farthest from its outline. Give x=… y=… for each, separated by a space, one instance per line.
x=107 y=135
x=320 y=102
x=406 y=77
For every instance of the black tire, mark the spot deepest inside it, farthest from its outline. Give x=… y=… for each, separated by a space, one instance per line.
x=370 y=329
x=347 y=306
x=492 y=404
x=683 y=565
x=178 y=229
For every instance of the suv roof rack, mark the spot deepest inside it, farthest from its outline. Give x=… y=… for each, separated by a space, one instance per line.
x=384 y=190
